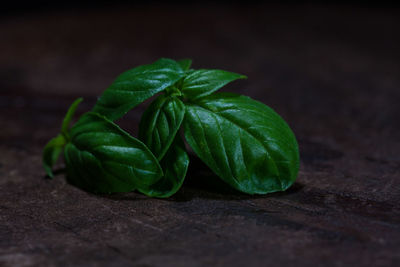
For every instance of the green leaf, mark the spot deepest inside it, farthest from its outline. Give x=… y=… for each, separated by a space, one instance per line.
x=103 y=158
x=175 y=165
x=54 y=147
x=69 y=115
x=160 y=123
x=244 y=142
x=51 y=153
x=200 y=83
x=136 y=85
x=185 y=63
x=158 y=130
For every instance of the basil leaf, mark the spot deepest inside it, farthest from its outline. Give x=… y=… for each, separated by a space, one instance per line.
x=103 y=158
x=160 y=123
x=68 y=117
x=175 y=165
x=185 y=63
x=244 y=142
x=51 y=152
x=135 y=86
x=54 y=147
x=158 y=129
x=200 y=83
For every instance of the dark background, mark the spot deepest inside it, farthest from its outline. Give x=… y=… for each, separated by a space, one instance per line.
x=331 y=70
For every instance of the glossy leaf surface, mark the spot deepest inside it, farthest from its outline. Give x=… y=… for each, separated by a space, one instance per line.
x=175 y=165
x=103 y=158
x=158 y=130
x=136 y=85
x=200 y=83
x=244 y=142
x=160 y=123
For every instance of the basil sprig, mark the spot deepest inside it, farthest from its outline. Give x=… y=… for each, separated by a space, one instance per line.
x=246 y=143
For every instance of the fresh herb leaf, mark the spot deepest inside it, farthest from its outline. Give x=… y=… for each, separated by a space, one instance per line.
x=68 y=117
x=136 y=85
x=103 y=158
x=200 y=83
x=51 y=152
x=160 y=123
x=55 y=146
x=158 y=129
x=185 y=64
x=244 y=142
x=175 y=165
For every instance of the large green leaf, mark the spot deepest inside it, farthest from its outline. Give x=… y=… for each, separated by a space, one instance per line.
x=103 y=158
x=202 y=82
x=160 y=123
x=244 y=142
x=136 y=85
x=175 y=165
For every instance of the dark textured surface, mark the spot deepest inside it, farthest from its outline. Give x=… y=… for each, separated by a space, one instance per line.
x=332 y=72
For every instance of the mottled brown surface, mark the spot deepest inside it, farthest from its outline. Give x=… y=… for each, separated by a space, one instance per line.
x=332 y=73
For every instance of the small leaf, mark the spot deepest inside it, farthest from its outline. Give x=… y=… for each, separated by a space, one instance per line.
x=54 y=147
x=51 y=153
x=200 y=83
x=244 y=142
x=68 y=117
x=103 y=158
x=185 y=64
x=160 y=123
x=136 y=85
x=175 y=165
x=158 y=129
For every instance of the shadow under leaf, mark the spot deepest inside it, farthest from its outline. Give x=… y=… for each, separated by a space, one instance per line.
x=200 y=182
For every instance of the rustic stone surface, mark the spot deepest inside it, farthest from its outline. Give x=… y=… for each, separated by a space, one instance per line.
x=332 y=73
